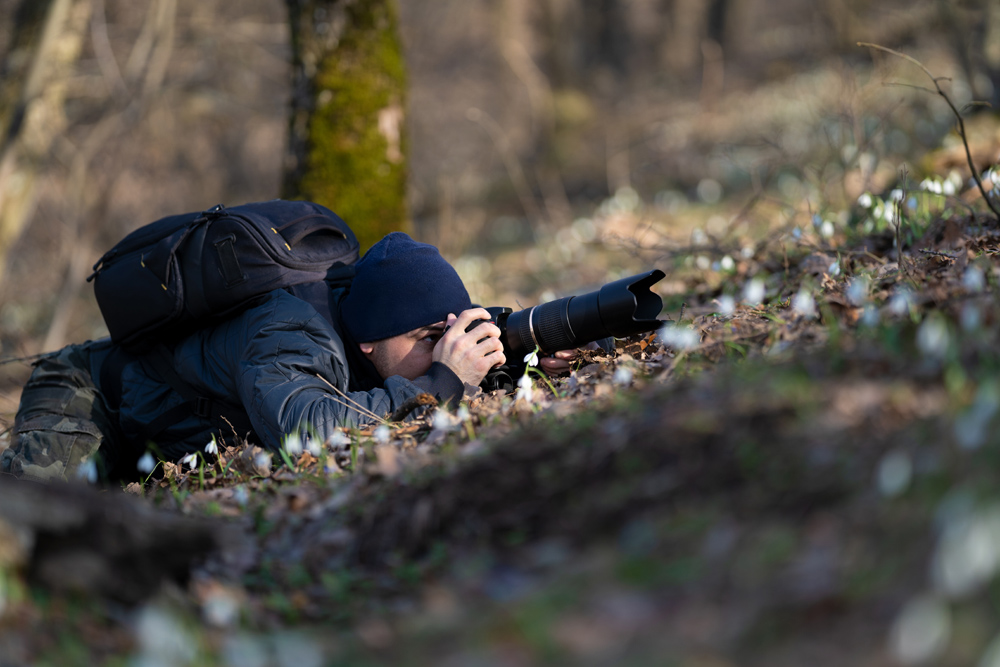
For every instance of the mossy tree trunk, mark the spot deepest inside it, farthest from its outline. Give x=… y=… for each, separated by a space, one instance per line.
x=347 y=143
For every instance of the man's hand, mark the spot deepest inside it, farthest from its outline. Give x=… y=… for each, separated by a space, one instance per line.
x=560 y=362
x=470 y=354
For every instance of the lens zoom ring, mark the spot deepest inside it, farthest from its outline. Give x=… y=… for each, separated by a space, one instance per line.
x=551 y=328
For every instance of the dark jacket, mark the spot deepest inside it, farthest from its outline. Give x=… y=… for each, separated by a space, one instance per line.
x=276 y=361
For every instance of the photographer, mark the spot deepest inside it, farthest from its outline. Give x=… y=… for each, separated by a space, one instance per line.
x=315 y=355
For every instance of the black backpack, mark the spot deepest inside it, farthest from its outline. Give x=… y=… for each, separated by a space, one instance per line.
x=182 y=272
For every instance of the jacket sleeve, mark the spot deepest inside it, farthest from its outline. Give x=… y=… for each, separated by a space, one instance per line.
x=293 y=374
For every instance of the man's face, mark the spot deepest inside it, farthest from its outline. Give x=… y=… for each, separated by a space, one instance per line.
x=408 y=354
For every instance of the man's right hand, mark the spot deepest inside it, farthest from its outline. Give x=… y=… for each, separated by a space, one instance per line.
x=470 y=354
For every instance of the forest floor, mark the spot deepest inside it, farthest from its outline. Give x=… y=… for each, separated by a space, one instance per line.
x=799 y=468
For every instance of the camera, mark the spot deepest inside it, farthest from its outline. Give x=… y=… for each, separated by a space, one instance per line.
x=621 y=308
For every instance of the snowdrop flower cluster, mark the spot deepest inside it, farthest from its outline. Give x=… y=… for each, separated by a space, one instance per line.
x=679 y=337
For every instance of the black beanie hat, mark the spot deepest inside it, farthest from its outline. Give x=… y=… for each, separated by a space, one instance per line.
x=401 y=285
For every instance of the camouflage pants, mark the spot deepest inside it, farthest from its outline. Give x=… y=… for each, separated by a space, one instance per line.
x=63 y=421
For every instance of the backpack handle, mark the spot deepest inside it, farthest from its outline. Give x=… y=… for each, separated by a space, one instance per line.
x=303 y=230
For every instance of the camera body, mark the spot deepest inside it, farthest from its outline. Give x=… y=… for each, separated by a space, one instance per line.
x=621 y=308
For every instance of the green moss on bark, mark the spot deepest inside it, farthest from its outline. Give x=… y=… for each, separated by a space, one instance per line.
x=352 y=158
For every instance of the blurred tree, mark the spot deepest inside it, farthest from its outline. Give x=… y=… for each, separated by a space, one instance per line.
x=46 y=39
x=347 y=142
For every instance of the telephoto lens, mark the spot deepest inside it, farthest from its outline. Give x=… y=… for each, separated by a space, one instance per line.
x=621 y=308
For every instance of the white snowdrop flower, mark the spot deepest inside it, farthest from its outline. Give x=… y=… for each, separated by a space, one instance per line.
x=531 y=359
x=463 y=413
x=933 y=337
x=524 y=389
x=827 y=229
x=870 y=316
x=973 y=279
x=163 y=638
x=313 y=446
x=727 y=305
x=747 y=252
x=753 y=292
x=865 y=200
x=293 y=444
x=949 y=188
x=87 y=471
x=337 y=439
x=804 y=304
x=212 y=447
x=382 y=434
x=699 y=237
x=879 y=211
x=702 y=262
x=937 y=187
x=727 y=263
x=894 y=474
x=970 y=318
x=145 y=464
x=901 y=302
x=241 y=495
x=968 y=553
x=896 y=195
x=972 y=425
x=921 y=632
x=441 y=421
x=834 y=269
x=623 y=376
x=262 y=460
x=191 y=460
x=857 y=291
x=679 y=337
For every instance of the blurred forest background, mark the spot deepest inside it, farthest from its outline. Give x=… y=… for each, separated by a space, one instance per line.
x=528 y=124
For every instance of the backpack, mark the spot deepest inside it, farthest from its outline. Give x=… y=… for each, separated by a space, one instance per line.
x=185 y=271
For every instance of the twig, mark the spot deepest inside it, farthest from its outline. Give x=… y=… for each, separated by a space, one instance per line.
x=411 y=404
x=954 y=110
x=29 y=358
x=350 y=402
x=935 y=253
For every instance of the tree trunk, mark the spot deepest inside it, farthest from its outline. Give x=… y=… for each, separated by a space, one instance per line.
x=47 y=38
x=347 y=141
